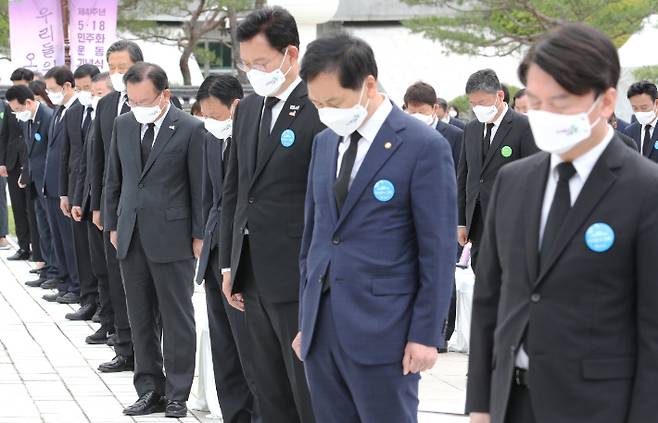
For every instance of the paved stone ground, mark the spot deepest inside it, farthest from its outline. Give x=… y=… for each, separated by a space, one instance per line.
x=48 y=374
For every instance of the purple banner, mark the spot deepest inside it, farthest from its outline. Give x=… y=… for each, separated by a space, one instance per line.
x=93 y=28
x=35 y=34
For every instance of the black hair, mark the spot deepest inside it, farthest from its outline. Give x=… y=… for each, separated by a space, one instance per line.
x=22 y=74
x=224 y=88
x=443 y=104
x=420 y=93
x=350 y=57
x=505 y=93
x=131 y=47
x=483 y=80
x=61 y=75
x=578 y=57
x=20 y=93
x=142 y=71
x=86 y=70
x=195 y=110
x=275 y=23
x=519 y=94
x=643 y=87
x=39 y=89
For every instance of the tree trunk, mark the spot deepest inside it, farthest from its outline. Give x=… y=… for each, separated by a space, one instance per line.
x=184 y=64
x=235 y=45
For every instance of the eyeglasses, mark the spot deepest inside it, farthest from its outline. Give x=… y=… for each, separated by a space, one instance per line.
x=246 y=67
x=145 y=104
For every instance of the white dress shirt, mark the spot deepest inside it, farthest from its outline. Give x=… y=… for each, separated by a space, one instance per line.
x=368 y=131
x=653 y=128
x=583 y=165
x=496 y=124
x=158 y=124
x=283 y=97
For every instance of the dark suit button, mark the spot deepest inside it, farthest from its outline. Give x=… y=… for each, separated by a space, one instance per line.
x=336 y=241
x=251 y=200
x=535 y=298
x=481 y=181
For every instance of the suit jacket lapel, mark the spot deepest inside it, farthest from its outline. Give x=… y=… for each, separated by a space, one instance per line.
x=597 y=185
x=501 y=133
x=478 y=141
x=535 y=193
x=654 y=138
x=332 y=154
x=165 y=133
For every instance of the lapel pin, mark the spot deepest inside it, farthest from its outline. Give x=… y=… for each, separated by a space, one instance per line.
x=172 y=127
x=388 y=145
x=294 y=107
x=293 y=114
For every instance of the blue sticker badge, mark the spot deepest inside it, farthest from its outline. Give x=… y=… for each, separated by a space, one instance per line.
x=599 y=237
x=383 y=190
x=287 y=138
x=37 y=137
x=656 y=145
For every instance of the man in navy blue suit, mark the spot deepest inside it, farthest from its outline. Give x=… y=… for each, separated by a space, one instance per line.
x=378 y=252
x=643 y=97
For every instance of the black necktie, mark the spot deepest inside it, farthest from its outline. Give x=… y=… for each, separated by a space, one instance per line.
x=58 y=114
x=86 y=123
x=646 y=147
x=147 y=143
x=559 y=210
x=225 y=153
x=487 y=140
x=126 y=107
x=341 y=187
x=265 y=124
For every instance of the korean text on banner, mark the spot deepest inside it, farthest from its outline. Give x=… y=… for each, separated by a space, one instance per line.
x=93 y=29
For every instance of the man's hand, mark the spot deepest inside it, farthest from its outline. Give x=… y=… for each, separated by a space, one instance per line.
x=197 y=245
x=114 y=238
x=297 y=345
x=76 y=213
x=3 y=171
x=96 y=218
x=235 y=300
x=418 y=358
x=64 y=206
x=480 y=418
x=462 y=236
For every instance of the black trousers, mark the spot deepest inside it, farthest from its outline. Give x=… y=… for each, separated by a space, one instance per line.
x=228 y=341
x=19 y=204
x=123 y=344
x=160 y=293
x=99 y=269
x=281 y=387
x=88 y=281
x=62 y=239
x=53 y=268
x=519 y=407
x=475 y=233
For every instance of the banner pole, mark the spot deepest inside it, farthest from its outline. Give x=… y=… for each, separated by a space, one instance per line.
x=65 y=27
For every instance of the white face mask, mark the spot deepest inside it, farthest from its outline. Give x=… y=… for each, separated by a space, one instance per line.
x=56 y=97
x=485 y=114
x=220 y=129
x=557 y=133
x=94 y=101
x=117 y=82
x=645 y=118
x=85 y=98
x=23 y=116
x=345 y=121
x=426 y=119
x=452 y=114
x=266 y=84
x=146 y=115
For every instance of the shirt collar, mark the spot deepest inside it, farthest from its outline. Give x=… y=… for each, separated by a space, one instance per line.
x=502 y=115
x=285 y=94
x=585 y=163
x=34 y=117
x=69 y=103
x=652 y=124
x=371 y=127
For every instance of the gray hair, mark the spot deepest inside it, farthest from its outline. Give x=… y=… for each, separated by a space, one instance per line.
x=484 y=80
x=131 y=47
x=103 y=76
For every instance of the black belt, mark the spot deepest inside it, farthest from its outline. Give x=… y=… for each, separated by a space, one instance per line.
x=520 y=377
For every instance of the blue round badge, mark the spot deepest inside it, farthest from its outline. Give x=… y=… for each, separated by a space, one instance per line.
x=599 y=237
x=656 y=145
x=287 y=138
x=383 y=190
x=37 y=137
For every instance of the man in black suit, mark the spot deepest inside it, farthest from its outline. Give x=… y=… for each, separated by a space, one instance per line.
x=564 y=322
x=263 y=209
x=77 y=122
x=81 y=212
x=12 y=155
x=444 y=116
x=120 y=57
x=218 y=97
x=497 y=137
x=34 y=120
x=643 y=97
x=153 y=214
x=61 y=86
x=420 y=101
x=520 y=102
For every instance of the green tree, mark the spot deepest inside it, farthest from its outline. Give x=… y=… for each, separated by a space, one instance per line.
x=649 y=73
x=503 y=27
x=4 y=29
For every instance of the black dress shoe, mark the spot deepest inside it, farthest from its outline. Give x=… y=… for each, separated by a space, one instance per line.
x=68 y=298
x=51 y=298
x=51 y=283
x=85 y=312
x=119 y=363
x=99 y=337
x=35 y=283
x=35 y=271
x=96 y=318
x=176 y=409
x=19 y=255
x=148 y=403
